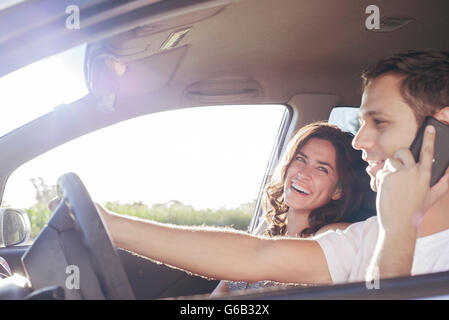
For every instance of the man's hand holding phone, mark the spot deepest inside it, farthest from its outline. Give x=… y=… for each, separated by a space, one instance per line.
x=404 y=192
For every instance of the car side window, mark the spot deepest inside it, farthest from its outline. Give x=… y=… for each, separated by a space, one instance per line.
x=192 y=166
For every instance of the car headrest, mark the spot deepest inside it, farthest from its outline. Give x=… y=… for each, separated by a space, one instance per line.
x=345 y=117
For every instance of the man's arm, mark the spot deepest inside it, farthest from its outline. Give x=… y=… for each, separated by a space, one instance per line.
x=220 y=253
x=393 y=256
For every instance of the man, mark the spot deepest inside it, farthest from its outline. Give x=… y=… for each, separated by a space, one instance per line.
x=410 y=234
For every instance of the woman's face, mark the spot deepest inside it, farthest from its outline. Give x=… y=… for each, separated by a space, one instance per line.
x=311 y=179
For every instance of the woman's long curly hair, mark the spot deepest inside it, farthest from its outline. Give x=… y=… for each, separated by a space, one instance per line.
x=353 y=180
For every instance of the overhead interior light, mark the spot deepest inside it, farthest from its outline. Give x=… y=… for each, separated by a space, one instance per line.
x=390 y=24
x=174 y=38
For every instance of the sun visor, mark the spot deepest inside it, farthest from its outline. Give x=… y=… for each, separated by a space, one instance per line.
x=144 y=59
x=152 y=73
x=108 y=76
x=149 y=38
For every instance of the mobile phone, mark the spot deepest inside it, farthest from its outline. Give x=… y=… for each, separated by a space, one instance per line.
x=441 y=148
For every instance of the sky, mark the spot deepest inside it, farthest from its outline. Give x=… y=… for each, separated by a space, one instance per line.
x=206 y=157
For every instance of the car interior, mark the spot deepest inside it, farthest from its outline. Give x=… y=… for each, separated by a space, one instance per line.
x=147 y=56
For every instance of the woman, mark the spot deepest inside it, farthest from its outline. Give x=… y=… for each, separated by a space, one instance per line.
x=318 y=186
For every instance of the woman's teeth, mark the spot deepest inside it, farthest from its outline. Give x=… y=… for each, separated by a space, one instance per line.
x=299 y=189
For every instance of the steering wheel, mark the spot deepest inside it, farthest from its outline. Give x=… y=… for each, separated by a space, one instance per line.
x=103 y=255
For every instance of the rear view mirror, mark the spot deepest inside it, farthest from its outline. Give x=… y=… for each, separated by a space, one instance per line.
x=14 y=227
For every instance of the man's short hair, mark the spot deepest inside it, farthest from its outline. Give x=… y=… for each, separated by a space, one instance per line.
x=425 y=83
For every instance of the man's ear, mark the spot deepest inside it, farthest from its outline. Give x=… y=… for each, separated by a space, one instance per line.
x=443 y=115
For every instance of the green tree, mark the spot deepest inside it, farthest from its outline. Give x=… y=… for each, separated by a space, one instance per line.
x=173 y=211
x=43 y=192
x=176 y=212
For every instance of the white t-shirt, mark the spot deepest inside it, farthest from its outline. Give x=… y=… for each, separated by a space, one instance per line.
x=349 y=252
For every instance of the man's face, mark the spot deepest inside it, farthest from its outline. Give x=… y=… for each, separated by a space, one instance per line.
x=387 y=123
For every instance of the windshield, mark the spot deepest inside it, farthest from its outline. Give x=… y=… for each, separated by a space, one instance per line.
x=36 y=89
x=9 y=3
